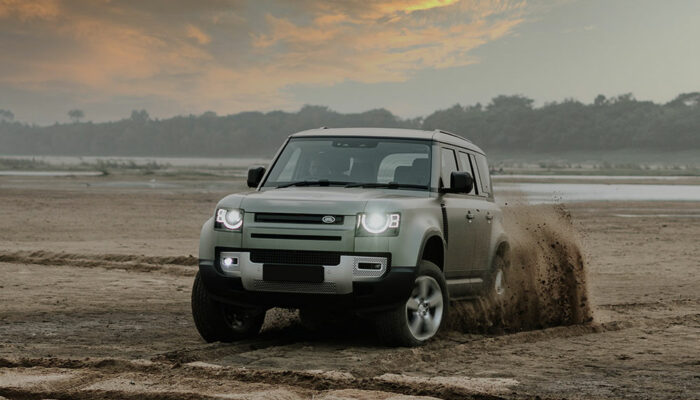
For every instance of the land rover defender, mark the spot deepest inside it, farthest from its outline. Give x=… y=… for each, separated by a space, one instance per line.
x=390 y=224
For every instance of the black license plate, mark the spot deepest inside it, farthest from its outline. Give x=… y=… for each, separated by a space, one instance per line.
x=293 y=273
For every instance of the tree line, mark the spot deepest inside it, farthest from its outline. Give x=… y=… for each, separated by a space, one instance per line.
x=506 y=123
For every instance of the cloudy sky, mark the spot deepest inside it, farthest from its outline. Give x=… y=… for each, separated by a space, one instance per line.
x=172 y=57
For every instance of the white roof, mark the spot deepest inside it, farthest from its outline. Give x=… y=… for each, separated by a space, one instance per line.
x=436 y=135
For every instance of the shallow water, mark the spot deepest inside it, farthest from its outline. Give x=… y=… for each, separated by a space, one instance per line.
x=571 y=192
x=50 y=173
x=590 y=177
x=656 y=215
x=224 y=162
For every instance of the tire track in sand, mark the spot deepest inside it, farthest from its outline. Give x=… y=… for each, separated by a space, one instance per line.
x=178 y=266
x=99 y=373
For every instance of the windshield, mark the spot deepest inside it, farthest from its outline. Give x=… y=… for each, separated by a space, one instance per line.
x=375 y=162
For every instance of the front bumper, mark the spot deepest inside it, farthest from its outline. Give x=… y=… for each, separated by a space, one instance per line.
x=345 y=285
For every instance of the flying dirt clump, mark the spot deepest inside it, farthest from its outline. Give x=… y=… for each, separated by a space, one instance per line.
x=545 y=277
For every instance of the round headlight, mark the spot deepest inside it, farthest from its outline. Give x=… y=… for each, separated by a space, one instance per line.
x=375 y=222
x=230 y=219
x=233 y=217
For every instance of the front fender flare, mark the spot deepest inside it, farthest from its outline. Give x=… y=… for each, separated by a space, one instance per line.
x=426 y=236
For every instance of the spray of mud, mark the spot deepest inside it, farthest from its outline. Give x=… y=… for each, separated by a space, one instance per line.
x=545 y=277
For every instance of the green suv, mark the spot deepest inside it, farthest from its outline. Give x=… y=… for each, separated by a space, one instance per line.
x=389 y=224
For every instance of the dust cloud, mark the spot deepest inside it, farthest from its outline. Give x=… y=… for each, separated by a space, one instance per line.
x=545 y=277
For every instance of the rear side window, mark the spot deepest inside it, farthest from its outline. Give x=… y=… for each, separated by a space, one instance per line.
x=483 y=168
x=449 y=164
x=467 y=166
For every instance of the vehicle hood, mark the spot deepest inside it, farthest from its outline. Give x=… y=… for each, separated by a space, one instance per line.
x=315 y=200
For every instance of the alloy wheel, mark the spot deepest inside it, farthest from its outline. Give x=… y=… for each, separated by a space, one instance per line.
x=424 y=308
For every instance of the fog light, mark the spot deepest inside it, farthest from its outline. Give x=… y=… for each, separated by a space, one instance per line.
x=370 y=266
x=229 y=261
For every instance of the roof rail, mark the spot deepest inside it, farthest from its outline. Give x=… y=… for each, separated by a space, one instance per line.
x=452 y=134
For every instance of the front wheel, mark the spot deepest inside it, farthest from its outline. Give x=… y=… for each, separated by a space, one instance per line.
x=219 y=322
x=421 y=317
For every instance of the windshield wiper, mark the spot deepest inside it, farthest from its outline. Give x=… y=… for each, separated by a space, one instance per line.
x=389 y=185
x=320 y=182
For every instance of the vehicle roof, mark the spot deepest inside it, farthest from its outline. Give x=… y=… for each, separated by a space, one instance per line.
x=399 y=133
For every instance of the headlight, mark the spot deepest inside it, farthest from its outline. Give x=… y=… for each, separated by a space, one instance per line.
x=378 y=224
x=229 y=219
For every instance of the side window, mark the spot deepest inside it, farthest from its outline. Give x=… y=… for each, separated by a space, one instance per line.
x=449 y=164
x=467 y=166
x=483 y=168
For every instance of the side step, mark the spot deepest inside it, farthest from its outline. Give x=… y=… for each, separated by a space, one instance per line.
x=464 y=288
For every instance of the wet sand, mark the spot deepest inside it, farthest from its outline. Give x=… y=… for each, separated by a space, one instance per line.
x=94 y=302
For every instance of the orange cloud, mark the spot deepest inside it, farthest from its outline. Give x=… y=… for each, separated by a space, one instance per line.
x=195 y=33
x=389 y=7
x=249 y=59
x=29 y=9
x=325 y=53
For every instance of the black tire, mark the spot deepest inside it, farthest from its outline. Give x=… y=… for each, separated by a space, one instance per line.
x=218 y=322
x=393 y=326
x=495 y=284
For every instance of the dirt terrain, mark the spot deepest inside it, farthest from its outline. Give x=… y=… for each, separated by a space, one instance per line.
x=95 y=279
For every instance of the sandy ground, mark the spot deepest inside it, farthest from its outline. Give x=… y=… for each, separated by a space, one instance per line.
x=95 y=282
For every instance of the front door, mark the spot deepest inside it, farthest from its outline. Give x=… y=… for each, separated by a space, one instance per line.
x=457 y=210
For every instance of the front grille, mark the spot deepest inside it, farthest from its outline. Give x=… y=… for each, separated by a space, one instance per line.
x=267 y=256
x=299 y=218
x=295 y=287
x=294 y=237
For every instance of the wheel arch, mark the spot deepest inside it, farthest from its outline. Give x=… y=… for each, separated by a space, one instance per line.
x=502 y=247
x=433 y=249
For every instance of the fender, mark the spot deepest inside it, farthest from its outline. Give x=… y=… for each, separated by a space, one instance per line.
x=426 y=236
x=206 y=241
x=419 y=222
x=500 y=240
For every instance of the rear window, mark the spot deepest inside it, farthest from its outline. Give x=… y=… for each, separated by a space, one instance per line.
x=483 y=168
x=467 y=166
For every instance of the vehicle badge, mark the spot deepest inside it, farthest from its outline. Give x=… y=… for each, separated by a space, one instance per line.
x=328 y=219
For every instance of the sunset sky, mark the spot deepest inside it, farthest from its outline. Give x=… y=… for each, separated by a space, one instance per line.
x=108 y=57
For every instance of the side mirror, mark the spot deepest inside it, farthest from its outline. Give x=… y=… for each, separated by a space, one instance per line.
x=460 y=182
x=255 y=175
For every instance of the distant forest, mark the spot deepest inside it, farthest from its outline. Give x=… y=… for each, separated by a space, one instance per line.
x=507 y=123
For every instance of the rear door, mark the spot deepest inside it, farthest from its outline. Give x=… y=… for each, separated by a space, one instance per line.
x=473 y=227
x=487 y=211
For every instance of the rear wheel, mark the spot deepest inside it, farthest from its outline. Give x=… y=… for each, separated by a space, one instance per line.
x=219 y=322
x=495 y=285
x=422 y=316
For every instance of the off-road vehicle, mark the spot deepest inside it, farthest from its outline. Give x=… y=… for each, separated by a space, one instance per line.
x=390 y=224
